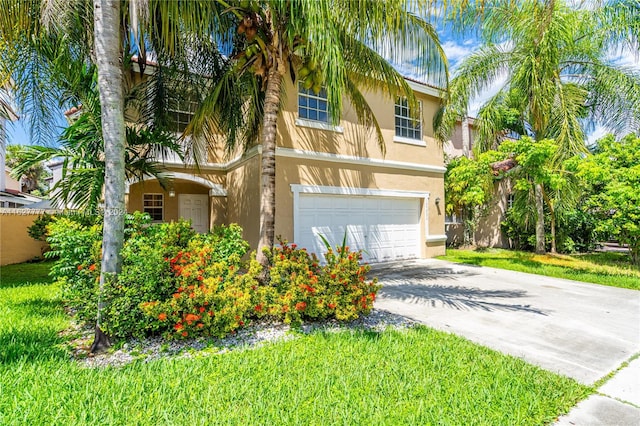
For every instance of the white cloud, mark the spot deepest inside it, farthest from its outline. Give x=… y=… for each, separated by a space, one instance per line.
x=625 y=58
x=596 y=134
x=455 y=51
x=476 y=103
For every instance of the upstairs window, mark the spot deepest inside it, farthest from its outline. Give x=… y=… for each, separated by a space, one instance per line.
x=408 y=125
x=154 y=205
x=312 y=106
x=181 y=111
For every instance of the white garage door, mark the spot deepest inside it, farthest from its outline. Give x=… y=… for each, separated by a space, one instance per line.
x=386 y=228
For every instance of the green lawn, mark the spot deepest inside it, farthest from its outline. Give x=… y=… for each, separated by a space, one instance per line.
x=24 y=274
x=419 y=376
x=612 y=269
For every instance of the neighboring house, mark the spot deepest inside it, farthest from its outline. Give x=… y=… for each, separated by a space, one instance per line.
x=331 y=179
x=11 y=195
x=489 y=232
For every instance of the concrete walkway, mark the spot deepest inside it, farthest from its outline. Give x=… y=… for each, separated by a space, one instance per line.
x=584 y=331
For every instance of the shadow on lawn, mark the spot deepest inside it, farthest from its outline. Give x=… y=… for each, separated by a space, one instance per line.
x=25 y=274
x=521 y=260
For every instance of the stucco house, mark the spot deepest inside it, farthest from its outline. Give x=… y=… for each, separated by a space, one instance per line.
x=331 y=179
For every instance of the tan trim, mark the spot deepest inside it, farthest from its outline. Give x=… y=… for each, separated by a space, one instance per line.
x=215 y=189
x=224 y=167
x=319 y=156
x=349 y=159
x=427 y=90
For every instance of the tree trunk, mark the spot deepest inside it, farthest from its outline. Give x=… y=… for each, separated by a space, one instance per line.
x=540 y=249
x=552 y=219
x=268 y=171
x=552 y=215
x=108 y=51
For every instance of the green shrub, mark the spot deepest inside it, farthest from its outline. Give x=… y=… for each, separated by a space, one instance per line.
x=38 y=231
x=209 y=295
x=228 y=242
x=77 y=248
x=213 y=299
x=182 y=284
x=347 y=284
x=302 y=289
x=146 y=275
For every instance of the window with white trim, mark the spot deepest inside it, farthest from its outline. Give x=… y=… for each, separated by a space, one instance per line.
x=154 y=205
x=408 y=125
x=313 y=106
x=180 y=116
x=510 y=199
x=181 y=107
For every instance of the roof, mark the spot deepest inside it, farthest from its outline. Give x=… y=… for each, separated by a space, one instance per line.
x=417 y=85
x=72 y=110
x=422 y=83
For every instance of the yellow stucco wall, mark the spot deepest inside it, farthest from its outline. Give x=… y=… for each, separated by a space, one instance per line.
x=242 y=180
x=243 y=198
x=290 y=171
x=15 y=243
x=137 y=190
x=354 y=139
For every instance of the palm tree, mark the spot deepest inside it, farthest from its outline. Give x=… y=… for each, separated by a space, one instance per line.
x=109 y=56
x=555 y=58
x=332 y=41
x=32 y=176
x=82 y=148
x=49 y=44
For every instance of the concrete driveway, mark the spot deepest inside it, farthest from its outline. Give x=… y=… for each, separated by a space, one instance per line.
x=584 y=331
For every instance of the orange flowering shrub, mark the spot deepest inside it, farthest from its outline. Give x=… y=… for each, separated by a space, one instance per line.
x=212 y=298
x=301 y=288
x=349 y=293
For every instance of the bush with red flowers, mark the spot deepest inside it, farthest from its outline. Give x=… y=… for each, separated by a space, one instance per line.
x=182 y=284
x=213 y=299
x=301 y=288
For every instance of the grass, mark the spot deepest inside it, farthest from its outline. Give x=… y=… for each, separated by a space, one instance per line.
x=612 y=269
x=419 y=376
x=24 y=274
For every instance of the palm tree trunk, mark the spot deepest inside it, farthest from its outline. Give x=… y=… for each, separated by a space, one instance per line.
x=540 y=249
x=268 y=171
x=552 y=220
x=108 y=51
x=553 y=231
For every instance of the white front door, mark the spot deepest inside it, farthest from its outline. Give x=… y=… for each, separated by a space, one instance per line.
x=386 y=228
x=195 y=207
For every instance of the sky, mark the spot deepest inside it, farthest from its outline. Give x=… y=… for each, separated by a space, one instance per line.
x=458 y=47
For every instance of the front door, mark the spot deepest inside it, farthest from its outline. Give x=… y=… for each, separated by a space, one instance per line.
x=195 y=207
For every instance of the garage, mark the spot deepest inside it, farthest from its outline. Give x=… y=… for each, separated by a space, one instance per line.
x=386 y=228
